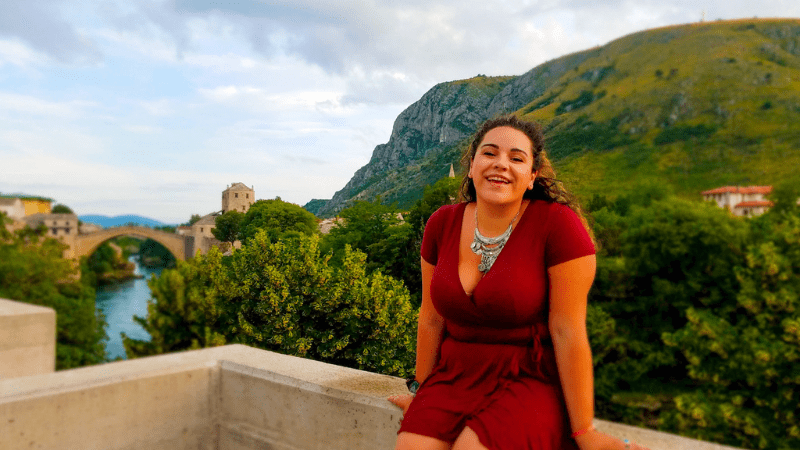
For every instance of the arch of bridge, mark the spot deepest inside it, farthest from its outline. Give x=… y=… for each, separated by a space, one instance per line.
x=86 y=244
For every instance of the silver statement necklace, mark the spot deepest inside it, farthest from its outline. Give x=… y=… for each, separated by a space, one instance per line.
x=489 y=248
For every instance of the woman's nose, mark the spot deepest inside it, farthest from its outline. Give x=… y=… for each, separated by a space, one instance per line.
x=501 y=162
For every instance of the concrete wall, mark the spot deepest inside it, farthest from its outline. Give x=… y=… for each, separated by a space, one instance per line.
x=27 y=339
x=226 y=398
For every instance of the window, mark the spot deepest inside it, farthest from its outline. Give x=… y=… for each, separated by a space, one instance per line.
x=246 y=195
x=236 y=195
x=66 y=231
x=242 y=208
x=201 y=229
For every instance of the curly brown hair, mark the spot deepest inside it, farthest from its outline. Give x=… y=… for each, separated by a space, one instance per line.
x=546 y=186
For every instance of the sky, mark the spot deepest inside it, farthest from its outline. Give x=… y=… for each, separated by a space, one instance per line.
x=155 y=107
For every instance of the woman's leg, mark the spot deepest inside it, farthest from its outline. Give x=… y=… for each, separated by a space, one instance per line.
x=411 y=441
x=468 y=440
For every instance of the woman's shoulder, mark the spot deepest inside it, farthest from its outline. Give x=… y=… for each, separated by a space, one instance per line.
x=447 y=212
x=551 y=210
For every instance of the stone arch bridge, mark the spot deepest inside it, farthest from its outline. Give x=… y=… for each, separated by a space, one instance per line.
x=86 y=244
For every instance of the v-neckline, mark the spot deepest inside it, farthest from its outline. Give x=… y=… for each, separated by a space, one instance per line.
x=458 y=248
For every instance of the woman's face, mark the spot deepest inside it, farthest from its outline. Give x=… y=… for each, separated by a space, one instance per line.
x=502 y=168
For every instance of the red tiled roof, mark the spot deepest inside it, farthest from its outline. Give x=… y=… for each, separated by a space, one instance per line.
x=753 y=204
x=740 y=190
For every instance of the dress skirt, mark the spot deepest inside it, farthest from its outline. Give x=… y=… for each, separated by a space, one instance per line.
x=508 y=394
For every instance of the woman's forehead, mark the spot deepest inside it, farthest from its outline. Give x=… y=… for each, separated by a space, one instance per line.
x=507 y=137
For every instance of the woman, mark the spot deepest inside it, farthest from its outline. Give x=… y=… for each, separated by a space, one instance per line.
x=503 y=359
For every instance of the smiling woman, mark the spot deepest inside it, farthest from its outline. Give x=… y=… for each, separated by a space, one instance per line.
x=503 y=358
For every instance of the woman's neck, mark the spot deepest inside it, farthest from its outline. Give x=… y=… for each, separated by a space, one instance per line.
x=493 y=220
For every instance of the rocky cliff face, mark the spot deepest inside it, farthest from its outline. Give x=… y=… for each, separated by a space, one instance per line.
x=445 y=116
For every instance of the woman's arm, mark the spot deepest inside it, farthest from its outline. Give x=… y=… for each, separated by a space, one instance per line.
x=569 y=286
x=430 y=328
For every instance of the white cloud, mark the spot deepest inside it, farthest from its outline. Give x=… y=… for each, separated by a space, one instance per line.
x=27 y=104
x=17 y=53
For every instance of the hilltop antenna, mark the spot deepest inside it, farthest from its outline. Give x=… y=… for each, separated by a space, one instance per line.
x=703 y=16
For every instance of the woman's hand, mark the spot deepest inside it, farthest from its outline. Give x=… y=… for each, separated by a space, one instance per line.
x=595 y=440
x=401 y=401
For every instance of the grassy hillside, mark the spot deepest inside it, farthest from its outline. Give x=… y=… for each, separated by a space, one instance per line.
x=694 y=106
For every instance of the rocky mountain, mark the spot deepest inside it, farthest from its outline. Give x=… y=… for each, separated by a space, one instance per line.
x=694 y=106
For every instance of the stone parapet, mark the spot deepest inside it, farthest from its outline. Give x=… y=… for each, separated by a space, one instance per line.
x=27 y=339
x=225 y=398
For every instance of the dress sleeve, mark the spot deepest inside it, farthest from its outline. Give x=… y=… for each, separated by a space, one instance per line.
x=567 y=238
x=430 y=238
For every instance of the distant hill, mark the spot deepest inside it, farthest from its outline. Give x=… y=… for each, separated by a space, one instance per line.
x=105 y=221
x=693 y=107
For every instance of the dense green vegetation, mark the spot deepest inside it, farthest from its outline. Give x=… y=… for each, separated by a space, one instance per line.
x=703 y=309
x=153 y=254
x=280 y=219
x=227 y=227
x=32 y=270
x=108 y=264
x=284 y=296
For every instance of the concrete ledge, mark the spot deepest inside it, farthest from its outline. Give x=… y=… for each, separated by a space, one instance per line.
x=225 y=398
x=27 y=339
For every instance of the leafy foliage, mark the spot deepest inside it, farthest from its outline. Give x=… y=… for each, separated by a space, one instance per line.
x=185 y=308
x=280 y=220
x=105 y=266
x=284 y=296
x=746 y=354
x=228 y=226
x=32 y=270
x=61 y=209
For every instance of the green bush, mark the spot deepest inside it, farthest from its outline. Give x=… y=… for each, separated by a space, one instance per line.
x=283 y=296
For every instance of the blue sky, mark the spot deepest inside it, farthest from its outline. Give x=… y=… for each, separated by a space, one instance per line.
x=154 y=107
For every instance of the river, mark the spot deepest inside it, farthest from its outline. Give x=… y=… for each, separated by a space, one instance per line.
x=119 y=302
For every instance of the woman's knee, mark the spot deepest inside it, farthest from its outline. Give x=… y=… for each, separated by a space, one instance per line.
x=411 y=441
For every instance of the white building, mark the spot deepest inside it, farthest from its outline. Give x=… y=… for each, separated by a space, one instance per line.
x=13 y=208
x=741 y=201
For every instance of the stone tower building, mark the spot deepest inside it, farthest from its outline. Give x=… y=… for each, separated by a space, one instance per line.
x=237 y=197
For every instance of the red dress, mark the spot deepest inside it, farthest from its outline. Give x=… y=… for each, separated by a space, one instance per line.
x=496 y=372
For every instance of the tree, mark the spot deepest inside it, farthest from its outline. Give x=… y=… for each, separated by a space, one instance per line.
x=364 y=224
x=185 y=308
x=679 y=254
x=32 y=270
x=61 y=209
x=784 y=198
x=228 y=226
x=746 y=357
x=297 y=303
x=443 y=192
x=283 y=296
x=194 y=218
x=278 y=218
